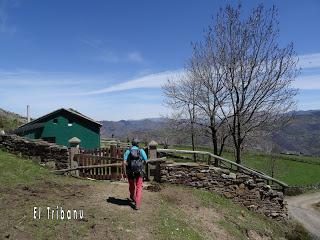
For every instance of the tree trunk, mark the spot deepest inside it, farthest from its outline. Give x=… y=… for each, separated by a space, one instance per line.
x=214 y=144
x=193 y=142
x=238 y=154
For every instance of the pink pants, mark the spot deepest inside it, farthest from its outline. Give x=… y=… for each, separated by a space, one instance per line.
x=135 y=188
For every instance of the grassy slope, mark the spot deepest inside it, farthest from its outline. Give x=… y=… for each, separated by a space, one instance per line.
x=287 y=168
x=173 y=213
x=9 y=120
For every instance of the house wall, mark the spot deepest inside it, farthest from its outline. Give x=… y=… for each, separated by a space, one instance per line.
x=89 y=134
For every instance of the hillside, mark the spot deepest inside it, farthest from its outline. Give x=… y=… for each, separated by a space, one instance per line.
x=302 y=134
x=10 y=120
x=172 y=213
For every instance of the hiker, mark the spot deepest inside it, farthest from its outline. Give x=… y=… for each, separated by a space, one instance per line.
x=134 y=159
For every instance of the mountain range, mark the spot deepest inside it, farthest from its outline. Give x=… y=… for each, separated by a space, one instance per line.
x=300 y=135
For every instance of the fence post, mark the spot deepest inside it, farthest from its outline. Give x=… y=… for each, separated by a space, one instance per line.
x=152 y=153
x=74 y=149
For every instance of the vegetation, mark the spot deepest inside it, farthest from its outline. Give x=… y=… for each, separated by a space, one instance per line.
x=173 y=213
x=9 y=120
x=238 y=81
x=293 y=170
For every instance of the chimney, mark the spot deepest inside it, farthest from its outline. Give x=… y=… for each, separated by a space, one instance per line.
x=28 y=113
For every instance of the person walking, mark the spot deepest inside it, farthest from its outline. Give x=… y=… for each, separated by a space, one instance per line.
x=134 y=160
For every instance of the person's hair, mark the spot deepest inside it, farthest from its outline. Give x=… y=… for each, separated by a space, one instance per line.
x=135 y=142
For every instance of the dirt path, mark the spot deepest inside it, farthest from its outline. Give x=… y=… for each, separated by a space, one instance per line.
x=300 y=207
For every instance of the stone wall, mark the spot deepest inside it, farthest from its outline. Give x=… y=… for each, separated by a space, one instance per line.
x=250 y=192
x=48 y=153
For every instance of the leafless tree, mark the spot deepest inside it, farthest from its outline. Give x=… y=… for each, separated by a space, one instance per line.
x=181 y=96
x=257 y=72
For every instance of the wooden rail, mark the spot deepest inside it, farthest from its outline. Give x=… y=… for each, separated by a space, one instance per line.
x=89 y=167
x=226 y=161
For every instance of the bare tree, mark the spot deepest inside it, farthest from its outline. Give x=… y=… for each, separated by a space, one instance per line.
x=257 y=72
x=203 y=70
x=181 y=94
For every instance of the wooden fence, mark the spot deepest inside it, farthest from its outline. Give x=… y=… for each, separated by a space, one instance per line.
x=92 y=158
x=101 y=173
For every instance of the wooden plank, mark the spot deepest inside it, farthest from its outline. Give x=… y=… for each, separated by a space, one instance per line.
x=88 y=167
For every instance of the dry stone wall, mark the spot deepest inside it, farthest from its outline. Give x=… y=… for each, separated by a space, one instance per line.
x=54 y=155
x=250 y=192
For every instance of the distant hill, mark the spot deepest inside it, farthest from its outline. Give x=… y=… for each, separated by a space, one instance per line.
x=302 y=134
x=10 y=120
x=133 y=128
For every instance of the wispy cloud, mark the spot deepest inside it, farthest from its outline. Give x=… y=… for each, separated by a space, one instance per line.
x=155 y=80
x=308 y=82
x=135 y=57
x=105 y=54
x=5 y=26
x=30 y=78
x=309 y=60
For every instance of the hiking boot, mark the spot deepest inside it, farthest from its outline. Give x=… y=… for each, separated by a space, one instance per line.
x=131 y=198
x=136 y=207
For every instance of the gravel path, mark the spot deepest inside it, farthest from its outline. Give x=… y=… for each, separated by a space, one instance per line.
x=300 y=207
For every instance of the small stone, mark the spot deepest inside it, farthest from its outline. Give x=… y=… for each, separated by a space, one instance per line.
x=227 y=195
x=201 y=175
x=232 y=176
x=242 y=213
x=274 y=214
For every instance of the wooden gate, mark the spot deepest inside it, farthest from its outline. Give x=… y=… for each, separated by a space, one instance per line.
x=101 y=156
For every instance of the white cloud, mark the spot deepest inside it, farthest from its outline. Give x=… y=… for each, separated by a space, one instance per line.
x=309 y=60
x=29 y=78
x=155 y=80
x=135 y=57
x=105 y=54
x=5 y=27
x=308 y=82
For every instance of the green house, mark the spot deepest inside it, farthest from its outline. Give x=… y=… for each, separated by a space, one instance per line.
x=60 y=126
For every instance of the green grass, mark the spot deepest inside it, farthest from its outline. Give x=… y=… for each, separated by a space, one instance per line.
x=237 y=220
x=20 y=178
x=167 y=219
x=173 y=224
x=287 y=167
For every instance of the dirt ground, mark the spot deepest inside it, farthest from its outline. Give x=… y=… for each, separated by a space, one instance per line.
x=108 y=214
x=171 y=213
x=303 y=209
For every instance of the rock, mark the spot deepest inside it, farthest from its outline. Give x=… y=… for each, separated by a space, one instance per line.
x=225 y=171
x=227 y=195
x=201 y=175
x=252 y=207
x=274 y=214
x=232 y=176
x=242 y=213
x=225 y=176
x=50 y=165
x=261 y=185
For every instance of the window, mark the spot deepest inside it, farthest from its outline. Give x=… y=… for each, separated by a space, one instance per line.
x=70 y=123
x=55 y=121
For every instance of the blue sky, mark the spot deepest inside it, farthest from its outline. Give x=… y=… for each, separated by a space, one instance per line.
x=108 y=59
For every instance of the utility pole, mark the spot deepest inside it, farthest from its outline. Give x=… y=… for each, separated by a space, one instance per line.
x=28 y=113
